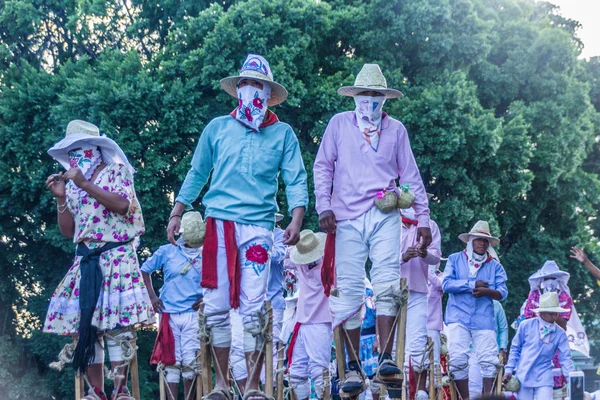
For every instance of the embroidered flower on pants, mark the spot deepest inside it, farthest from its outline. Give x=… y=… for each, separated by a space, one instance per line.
x=257 y=255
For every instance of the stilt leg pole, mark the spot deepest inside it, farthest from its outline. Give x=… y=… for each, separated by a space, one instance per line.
x=135 y=377
x=280 y=350
x=269 y=351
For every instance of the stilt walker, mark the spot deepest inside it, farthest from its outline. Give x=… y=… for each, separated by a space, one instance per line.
x=361 y=157
x=243 y=153
x=98 y=188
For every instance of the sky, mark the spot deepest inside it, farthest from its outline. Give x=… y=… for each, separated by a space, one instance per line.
x=587 y=12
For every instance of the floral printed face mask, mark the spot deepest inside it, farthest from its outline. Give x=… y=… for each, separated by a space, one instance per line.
x=252 y=105
x=368 y=116
x=86 y=158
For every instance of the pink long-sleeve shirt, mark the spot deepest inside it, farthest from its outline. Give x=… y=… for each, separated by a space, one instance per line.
x=356 y=172
x=416 y=269
x=313 y=305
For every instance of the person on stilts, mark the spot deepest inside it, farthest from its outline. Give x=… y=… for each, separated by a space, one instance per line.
x=244 y=153
x=102 y=294
x=363 y=154
x=177 y=342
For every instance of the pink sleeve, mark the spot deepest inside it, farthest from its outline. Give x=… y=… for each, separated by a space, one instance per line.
x=434 y=251
x=323 y=168
x=409 y=174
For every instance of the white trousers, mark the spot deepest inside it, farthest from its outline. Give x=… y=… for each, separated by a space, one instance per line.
x=416 y=332
x=310 y=357
x=185 y=332
x=375 y=235
x=236 y=356
x=537 y=393
x=485 y=351
x=255 y=276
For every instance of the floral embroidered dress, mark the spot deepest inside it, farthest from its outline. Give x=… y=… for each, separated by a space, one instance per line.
x=533 y=301
x=123 y=299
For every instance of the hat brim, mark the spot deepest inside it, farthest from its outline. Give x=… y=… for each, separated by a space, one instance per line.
x=311 y=256
x=111 y=152
x=352 y=91
x=494 y=241
x=278 y=93
x=550 y=309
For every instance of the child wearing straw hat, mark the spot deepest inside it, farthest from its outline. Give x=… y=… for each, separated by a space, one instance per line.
x=473 y=278
x=102 y=293
x=244 y=153
x=364 y=152
x=534 y=346
x=177 y=340
x=309 y=352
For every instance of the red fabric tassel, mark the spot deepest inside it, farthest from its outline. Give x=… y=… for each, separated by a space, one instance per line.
x=410 y=221
x=328 y=269
x=233 y=264
x=290 y=350
x=209 y=255
x=412 y=380
x=164 y=346
x=270 y=118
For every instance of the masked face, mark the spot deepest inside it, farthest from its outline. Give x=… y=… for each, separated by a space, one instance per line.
x=549 y=285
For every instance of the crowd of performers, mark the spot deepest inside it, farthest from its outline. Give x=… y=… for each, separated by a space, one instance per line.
x=371 y=204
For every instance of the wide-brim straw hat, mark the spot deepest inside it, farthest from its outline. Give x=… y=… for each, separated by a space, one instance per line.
x=370 y=78
x=549 y=303
x=192 y=229
x=309 y=248
x=550 y=269
x=480 y=230
x=256 y=67
x=80 y=132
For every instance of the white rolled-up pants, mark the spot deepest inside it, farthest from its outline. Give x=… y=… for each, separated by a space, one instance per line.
x=377 y=236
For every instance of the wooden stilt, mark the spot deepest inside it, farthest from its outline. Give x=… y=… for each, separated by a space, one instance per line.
x=205 y=358
x=133 y=368
x=326 y=384
x=280 y=350
x=269 y=351
x=198 y=383
x=431 y=370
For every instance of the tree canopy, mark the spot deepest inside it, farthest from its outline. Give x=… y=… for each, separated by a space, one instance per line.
x=503 y=117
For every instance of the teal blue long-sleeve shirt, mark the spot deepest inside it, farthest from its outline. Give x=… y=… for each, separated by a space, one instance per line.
x=245 y=167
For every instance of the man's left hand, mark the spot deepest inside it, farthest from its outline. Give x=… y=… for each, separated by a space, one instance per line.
x=292 y=233
x=424 y=236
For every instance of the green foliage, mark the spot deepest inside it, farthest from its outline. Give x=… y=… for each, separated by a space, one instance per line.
x=502 y=115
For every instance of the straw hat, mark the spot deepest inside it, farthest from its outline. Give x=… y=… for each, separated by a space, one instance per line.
x=370 y=77
x=82 y=132
x=309 y=248
x=257 y=68
x=480 y=230
x=549 y=303
x=192 y=229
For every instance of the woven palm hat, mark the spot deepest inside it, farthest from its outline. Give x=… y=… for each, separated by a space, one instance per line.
x=256 y=67
x=370 y=77
x=309 y=248
x=192 y=229
x=480 y=230
x=81 y=132
x=549 y=303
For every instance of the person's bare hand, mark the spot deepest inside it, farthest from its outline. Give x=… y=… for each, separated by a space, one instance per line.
x=173 y=229
x=327 y=221
x=292 y=233
x=56 y=184
x=409 y=254
x=482 y=284
x=196 y=304
x=424 y=236
x=578 y=254
x=157 y=304
x=75 y=175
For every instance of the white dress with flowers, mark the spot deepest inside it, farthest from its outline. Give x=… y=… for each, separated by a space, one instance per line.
x=123 y=299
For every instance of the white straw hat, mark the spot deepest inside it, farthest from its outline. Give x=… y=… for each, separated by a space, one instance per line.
x=549 y=303
x=79 y=132
x=256 y=67
x=309 y=248
x=369 y=78
x=480 y=230
x=192 y=229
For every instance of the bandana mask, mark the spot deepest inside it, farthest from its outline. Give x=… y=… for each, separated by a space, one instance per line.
x=368 y=116
x=252 y=105
x=86 y=159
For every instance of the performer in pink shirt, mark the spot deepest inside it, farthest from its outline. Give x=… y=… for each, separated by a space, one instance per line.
x=309 y=351
x=415 y=268
x=365 y=152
